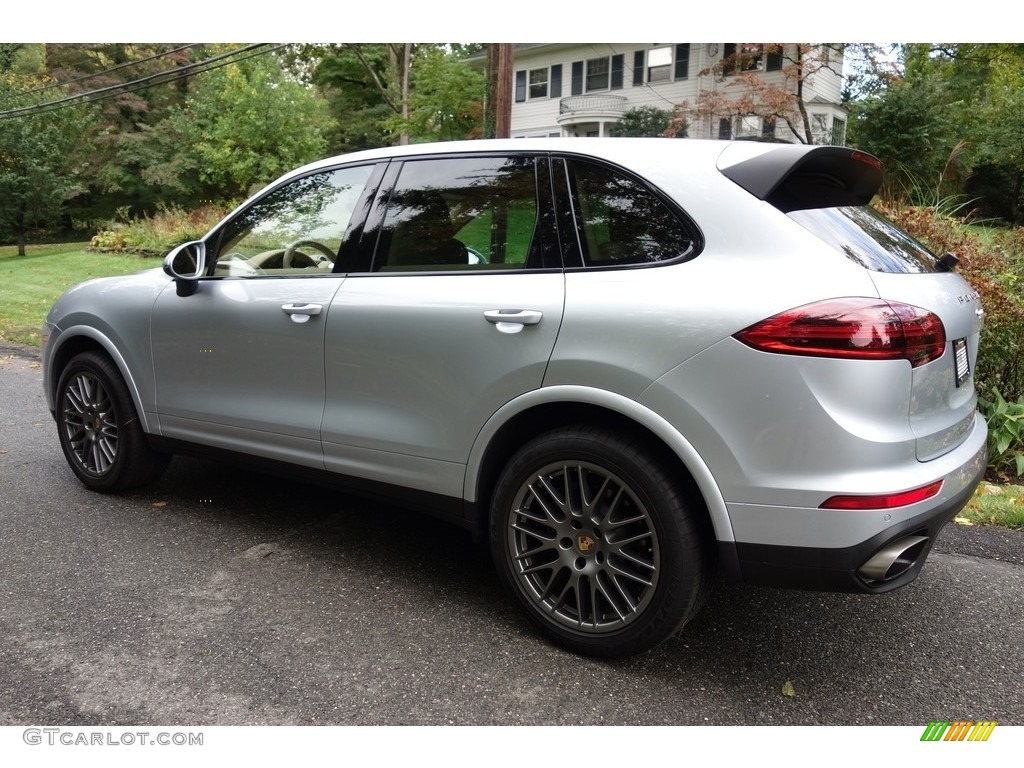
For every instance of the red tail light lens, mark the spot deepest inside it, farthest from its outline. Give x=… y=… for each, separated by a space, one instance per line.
x=883 y=501
x=853 y=329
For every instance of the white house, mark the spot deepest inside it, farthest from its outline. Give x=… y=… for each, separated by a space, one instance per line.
x=580 y=89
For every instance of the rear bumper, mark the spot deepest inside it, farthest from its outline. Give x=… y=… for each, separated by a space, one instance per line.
x=842 y=569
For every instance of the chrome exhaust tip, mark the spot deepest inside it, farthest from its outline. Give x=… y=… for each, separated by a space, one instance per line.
x=894 y=559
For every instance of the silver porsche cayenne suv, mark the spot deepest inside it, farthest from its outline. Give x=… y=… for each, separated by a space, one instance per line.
x=632 y=365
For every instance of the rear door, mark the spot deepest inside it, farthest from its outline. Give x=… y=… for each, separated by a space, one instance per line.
x=456 y=313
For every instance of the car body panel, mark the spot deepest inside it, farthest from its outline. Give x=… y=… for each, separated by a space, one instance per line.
x=415 y=368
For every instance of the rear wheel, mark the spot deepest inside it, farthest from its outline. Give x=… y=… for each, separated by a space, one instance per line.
x=602 y=545
x=99 y=428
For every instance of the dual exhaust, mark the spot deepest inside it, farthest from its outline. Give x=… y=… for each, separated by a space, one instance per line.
x=893 y=560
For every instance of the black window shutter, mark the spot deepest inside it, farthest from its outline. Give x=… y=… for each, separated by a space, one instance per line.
x=577 y=78
x=638 y=68
x=682 y=61
x=728 y=57
x=618 y=64
x=556 y=81
x=521 y=85
x=774 y=63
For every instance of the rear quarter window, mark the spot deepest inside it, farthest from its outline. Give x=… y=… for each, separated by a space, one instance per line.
x=865 y=236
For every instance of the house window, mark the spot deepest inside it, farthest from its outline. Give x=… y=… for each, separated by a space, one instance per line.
x=819 y=128
x=598 y=71
x=659 y=64
x=748 y=127
x=724 y=128
x=838 y=132
x=768 y=128
x=539 y=83
x=742 y=57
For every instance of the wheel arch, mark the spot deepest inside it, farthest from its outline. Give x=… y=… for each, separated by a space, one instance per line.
x=76 y=340
x=542 y=410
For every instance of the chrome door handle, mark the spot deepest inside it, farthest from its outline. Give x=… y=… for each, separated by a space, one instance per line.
x=300 y=313
x=514 y=316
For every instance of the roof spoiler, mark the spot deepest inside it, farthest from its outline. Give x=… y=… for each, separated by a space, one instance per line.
x=797 y=177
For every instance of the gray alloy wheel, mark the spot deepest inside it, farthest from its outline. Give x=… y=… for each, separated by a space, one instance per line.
x=584 y=547
x=599 y=541
x=99 y=429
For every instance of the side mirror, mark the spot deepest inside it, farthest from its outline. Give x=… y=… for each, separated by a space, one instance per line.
x=186 y=264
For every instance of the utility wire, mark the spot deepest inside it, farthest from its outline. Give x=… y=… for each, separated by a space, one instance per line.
x=107 y=71
x=168 y=76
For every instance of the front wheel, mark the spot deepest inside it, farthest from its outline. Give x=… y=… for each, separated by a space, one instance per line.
x=604 y=547
x=99 y=429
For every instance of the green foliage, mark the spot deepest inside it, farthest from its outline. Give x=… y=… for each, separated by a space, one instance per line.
x=247 y=123
x=38 y=170
x=645 y=121
x=155 y=234
x=445 y=101
x=908 y=127
x=1001 y=505
x=1005 y=434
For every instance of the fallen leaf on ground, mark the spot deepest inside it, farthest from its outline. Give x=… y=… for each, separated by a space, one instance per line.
x=788 y=689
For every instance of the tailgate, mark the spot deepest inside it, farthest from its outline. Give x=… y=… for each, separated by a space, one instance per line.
x=943 y=399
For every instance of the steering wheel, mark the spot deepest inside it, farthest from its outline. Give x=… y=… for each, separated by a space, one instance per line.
x=328 y=254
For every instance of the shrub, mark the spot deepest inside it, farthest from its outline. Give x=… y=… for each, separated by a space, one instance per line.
x=157 y=233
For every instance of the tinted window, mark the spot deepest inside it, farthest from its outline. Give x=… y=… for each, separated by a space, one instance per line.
x=622 y=221
x=868 y=238
x=296 y=228
x=461 y=213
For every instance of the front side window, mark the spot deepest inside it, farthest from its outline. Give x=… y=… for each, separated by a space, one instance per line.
x=296 y=229
x=455 y=214
x=621 y=221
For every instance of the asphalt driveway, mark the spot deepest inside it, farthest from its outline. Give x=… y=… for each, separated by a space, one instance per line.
x=221 y=597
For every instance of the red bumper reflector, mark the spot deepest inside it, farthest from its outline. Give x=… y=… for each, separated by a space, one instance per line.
x=884 y=500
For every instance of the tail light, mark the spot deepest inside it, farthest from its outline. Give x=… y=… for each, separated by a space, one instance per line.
x=884 y=501
x=852 y=329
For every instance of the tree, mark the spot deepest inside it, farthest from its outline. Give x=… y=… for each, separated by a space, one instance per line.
x=38 y=167
x=749 y=86
x=909 y=128
x=393 y=93
x=445 y=100
x=242 y=125
x=646 y=121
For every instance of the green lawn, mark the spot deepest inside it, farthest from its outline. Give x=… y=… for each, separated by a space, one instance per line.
x=1001 y=505
x=29 y=284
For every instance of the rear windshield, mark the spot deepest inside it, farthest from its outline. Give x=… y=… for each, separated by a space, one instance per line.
x=868 y=238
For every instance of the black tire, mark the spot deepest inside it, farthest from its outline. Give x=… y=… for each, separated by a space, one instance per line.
x=607 y=550
x=99 y=428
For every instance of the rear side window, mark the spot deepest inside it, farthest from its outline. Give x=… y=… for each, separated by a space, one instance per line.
x=868 y=238
x=473 y=213
x=621 y=221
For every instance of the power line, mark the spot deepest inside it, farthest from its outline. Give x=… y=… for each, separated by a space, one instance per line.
x=107 y=71
x=160 y=78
